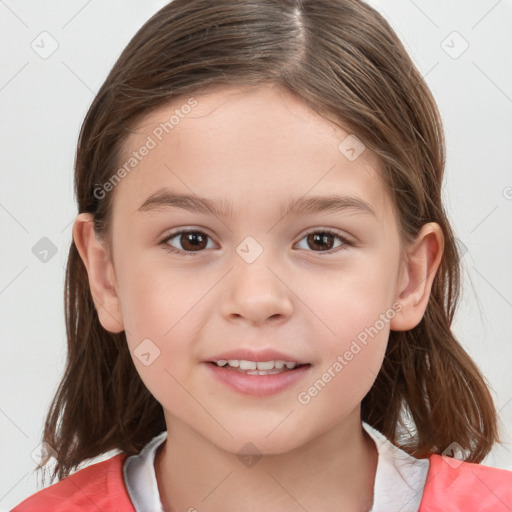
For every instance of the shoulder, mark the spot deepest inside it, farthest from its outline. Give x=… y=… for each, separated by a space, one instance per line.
x=461 y=486
x=96 y=487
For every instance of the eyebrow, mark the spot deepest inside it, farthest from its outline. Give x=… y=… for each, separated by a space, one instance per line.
x=302 y=205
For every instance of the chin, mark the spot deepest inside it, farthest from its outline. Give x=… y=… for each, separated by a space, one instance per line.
x=258 y=441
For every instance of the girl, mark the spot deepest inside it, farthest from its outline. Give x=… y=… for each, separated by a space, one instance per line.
x=262 y=278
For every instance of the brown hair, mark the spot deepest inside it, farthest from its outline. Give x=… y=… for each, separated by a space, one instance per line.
x=342 y=58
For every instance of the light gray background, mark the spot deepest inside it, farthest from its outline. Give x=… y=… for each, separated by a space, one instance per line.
x=44 y=100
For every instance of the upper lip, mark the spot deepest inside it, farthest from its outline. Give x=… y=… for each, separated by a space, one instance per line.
x=244 y=354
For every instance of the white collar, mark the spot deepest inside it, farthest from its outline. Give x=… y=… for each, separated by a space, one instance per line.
x=399 y=478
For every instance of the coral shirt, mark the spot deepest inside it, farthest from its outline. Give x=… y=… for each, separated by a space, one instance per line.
x=436 y=484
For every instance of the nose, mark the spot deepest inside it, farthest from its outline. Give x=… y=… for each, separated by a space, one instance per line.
x=256 y=292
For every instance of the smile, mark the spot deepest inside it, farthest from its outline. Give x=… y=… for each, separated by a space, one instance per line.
x=257 y=367
x=257 y=378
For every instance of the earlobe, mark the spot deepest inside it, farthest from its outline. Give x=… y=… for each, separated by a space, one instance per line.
x=100 y=273
x=422 y=262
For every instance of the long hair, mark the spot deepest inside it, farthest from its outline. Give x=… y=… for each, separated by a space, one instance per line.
x=344 y=61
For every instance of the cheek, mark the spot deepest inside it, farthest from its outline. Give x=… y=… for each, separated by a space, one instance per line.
x=156 y=300
x=353 y=310
x=351 y=360
x=343 y=303
x=161 y=319
x=156 y=313
x=353 y=357
x=164 y=310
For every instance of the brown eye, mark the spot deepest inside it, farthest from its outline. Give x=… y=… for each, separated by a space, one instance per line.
x=186 y=242
x=193 y=241
x=323 y=241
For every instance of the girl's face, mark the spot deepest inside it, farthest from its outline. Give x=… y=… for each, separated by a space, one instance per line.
x=250 y=228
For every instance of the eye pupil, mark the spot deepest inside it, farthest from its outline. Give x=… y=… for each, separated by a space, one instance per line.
x=321 y=240
x=193 y=240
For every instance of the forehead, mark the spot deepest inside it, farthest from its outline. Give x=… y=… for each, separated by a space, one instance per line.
x=246 y=145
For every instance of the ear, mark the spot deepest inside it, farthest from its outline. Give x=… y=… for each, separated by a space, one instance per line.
x=100 y=271
x=422 y=260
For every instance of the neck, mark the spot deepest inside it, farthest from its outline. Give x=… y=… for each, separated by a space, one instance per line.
x=334 y=471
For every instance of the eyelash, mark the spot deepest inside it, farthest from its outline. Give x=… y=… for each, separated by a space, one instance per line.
x=173 y=250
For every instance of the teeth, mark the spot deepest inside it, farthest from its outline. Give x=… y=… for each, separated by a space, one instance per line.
x=255 y=367
x=263 y=372
x=247 y=365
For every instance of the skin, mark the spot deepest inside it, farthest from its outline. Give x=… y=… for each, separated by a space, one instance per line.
x=256 y=149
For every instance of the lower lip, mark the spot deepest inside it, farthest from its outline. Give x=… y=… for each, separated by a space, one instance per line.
x=258 y=385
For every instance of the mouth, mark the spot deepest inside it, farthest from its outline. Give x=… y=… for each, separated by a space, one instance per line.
x=258 y=378
x=247 y=367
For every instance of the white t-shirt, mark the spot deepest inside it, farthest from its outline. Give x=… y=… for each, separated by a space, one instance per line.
x=399 y=479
